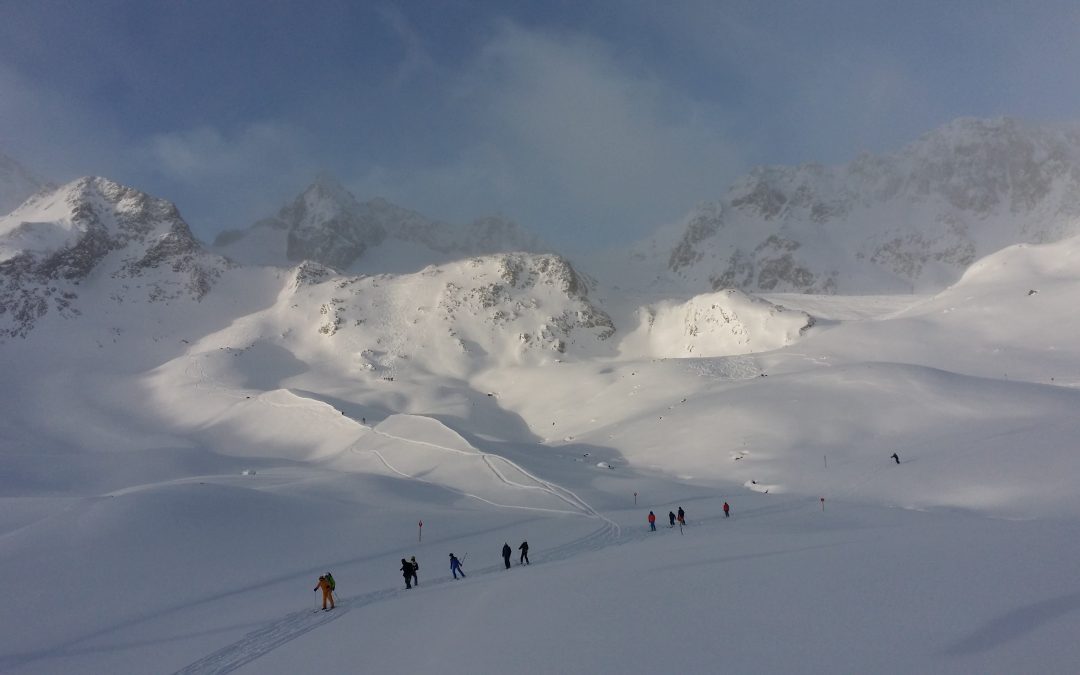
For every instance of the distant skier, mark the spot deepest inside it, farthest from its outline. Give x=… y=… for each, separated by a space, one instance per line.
x=407 y=572
x=682 y=517
x=506 y=553
x=524 y=548
x=455 y=566
x=327 y=592
x=671 y=518
x=415 y=569
x=727 y=510
x=896 y=457
x=652 y=521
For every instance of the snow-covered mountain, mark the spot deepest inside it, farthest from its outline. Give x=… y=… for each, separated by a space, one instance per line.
x=186 y=444
x=912 y=221
x=97 y=236
x=17 y=184
x=328 y=225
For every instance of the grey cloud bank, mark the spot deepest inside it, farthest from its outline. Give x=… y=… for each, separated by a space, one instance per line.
x=588 y=124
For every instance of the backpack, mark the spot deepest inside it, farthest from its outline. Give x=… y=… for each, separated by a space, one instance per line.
x=331 y=582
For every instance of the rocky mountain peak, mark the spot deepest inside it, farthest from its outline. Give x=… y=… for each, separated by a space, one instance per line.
x=328 y=225
x=909 y=220
x=95 y=232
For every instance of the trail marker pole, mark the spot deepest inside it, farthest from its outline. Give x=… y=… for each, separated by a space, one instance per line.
x=826 y=461
x=822 y=504
x=635 y=499
x=420 y=533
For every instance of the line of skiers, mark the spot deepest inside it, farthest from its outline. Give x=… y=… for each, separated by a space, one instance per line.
x=523 y=559
x=680 y=517
x=409 y=569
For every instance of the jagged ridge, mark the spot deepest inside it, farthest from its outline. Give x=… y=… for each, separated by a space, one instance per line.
x=909 y=221
x=92 y=230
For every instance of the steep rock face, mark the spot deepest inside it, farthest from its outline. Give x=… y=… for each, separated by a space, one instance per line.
x=95 y=233
x=328 y=225
x=17 y=184
x=909 y=221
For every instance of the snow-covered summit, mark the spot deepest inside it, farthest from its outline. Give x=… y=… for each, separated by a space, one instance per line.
x=17 y=184
x=327 y=224
x=909 y=221
x=94 y=232
x=447 y=320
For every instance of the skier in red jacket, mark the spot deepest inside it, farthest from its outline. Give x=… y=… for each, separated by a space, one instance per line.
x=652 y=521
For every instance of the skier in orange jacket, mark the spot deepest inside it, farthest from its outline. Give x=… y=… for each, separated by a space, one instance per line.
x=326 y=594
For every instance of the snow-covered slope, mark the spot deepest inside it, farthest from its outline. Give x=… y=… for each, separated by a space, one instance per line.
x=326 y=224
x=911 y=221
x=1011 y=316
x=713 y=324
x=17 y=184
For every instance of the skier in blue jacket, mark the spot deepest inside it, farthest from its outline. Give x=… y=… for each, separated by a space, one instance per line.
x=455 y=566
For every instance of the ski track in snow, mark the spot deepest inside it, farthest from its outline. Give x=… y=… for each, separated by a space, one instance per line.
x=260 y=642
x=553 y=489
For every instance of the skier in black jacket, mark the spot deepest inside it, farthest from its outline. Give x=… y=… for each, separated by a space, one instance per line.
x=524 y=548
x=506 y=554
x=407 y=572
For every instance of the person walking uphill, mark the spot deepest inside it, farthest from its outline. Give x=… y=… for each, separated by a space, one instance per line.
x=415 y=569
x=524 y=548
x=652 y=521
x=682 y=516
x=727 y=509
x=407 y=572
x=671 y=518
x=327 y=594
x=455 y=566
x=506 y=552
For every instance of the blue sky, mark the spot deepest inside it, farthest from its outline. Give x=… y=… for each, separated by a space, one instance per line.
x=587 y=122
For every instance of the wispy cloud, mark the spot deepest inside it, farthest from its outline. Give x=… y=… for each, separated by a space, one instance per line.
x=239 y=176
x=566 y=137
